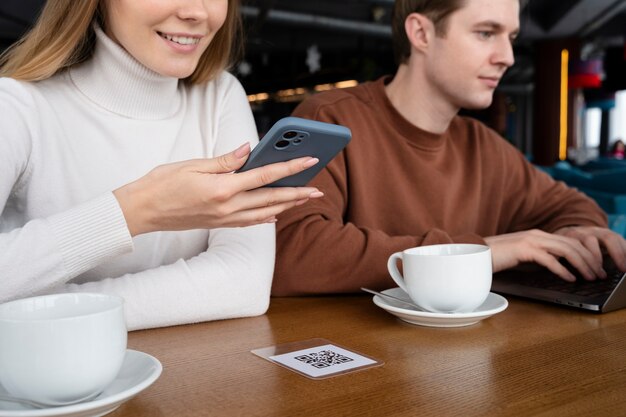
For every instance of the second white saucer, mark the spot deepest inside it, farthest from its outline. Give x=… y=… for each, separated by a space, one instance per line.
x=493 y=304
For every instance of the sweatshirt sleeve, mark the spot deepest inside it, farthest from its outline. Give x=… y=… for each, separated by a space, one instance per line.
x=308 y=232
x=45 y=252
x=547 y=204
x=319 y=251
x=232 y=278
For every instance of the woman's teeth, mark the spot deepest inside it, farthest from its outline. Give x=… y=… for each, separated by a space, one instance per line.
x=183 y=40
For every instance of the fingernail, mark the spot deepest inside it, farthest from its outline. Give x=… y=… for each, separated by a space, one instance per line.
x=316 y=194
x=310 y=162
x=243 y=150
x=271 y=220
x=301 y=202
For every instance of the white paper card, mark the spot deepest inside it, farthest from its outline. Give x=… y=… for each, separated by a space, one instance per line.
x=322 y=360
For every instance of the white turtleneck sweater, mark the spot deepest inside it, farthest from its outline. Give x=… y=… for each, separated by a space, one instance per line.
x=67 y=142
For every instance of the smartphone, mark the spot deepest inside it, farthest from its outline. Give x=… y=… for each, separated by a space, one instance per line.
x=293 y=137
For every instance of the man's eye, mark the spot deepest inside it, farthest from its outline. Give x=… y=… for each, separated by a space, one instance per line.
x=485 y=34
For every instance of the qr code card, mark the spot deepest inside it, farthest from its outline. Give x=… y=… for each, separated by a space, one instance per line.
x=321 y=359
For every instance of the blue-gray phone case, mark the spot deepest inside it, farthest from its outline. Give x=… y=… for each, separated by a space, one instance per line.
x=293 y=137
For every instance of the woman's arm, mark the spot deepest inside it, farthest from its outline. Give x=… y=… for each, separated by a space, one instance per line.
x=44 y=252
x=231 y=279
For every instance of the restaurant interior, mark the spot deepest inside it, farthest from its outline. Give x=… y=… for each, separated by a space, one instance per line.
x=296 y=48
x=563 y=104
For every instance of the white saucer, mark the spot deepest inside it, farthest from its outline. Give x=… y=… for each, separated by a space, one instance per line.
x=138 y=372
x=492 y=305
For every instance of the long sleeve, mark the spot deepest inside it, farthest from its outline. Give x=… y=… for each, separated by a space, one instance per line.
x=358 y=220
x=67 y=142
x=318 y=251
x=536 y=201
x=231 y=278
x=321 y=249
x=396 y=186
x=46 y=251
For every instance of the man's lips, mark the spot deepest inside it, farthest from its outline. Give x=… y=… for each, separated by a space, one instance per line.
x=490 y=81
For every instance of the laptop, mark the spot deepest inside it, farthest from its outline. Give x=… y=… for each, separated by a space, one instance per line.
x=538 y=283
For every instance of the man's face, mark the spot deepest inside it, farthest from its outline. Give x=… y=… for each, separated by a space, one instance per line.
x=465 y=65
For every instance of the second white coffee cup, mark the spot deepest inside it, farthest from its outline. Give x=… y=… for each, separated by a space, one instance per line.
x=447 y=278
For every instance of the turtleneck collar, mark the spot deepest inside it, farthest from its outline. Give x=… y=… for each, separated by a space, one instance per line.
x=117 y=82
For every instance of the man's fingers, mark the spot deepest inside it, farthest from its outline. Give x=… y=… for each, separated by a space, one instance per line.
x=545 y=249
x=616 y=247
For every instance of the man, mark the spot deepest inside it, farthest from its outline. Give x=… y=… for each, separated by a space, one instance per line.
x=415 y=173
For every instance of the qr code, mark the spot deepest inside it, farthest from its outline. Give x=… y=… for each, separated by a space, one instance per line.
x=323 y=358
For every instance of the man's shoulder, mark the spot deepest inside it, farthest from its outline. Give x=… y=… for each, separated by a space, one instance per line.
x=338 y=100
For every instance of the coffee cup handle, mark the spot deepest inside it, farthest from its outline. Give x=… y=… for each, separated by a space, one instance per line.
x=392 y=266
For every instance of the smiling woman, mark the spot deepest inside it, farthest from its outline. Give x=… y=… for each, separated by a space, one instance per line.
x=64 y=35
x=122 y=133
x=166 y=37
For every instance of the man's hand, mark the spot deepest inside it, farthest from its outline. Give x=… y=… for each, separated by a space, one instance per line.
x=593 y=238
x=511 y=249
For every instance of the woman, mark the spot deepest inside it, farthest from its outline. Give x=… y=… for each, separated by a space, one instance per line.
x=112 y=112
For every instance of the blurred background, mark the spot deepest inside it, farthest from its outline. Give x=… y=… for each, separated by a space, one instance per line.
x=296 y=48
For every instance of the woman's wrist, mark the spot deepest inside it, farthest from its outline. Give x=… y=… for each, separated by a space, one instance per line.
x=130 y=201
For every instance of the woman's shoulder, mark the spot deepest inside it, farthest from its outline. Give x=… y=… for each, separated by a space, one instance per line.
x=16 y=90
x=18 y=100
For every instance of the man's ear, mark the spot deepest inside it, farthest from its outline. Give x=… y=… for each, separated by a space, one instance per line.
x=419 y=31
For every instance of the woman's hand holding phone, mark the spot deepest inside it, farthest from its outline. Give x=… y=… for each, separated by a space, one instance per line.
x=206 y=194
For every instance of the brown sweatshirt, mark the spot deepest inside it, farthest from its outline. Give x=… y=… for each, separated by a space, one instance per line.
x=396 y=186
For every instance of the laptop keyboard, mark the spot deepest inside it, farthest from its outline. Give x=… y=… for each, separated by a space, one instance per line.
x=599 y=287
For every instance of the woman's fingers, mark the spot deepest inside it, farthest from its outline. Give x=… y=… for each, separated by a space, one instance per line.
x=222 y=164
x=254 y=178
x=257 y=215
x=259 y=177
x=204 y=193
x=272 y=196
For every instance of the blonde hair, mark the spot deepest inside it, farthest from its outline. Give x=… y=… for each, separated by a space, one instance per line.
x=63 y=36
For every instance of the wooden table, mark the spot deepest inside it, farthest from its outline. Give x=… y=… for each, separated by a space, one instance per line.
x=530 y=360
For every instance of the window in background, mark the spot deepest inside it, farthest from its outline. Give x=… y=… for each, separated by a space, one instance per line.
x=592 y=124
x=617 y=127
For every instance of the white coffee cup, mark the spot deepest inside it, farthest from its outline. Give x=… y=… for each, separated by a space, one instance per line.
x=62 y=348
x=448 y=278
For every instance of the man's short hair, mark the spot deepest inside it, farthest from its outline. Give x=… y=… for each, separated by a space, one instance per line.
x=436 y=10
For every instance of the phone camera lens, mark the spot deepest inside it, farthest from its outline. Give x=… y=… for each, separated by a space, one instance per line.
x=290 y=134
x=282 y=144
x=296 y=141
